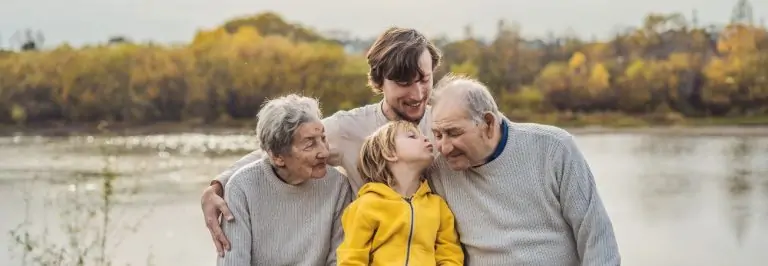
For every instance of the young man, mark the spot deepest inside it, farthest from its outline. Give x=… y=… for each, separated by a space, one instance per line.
x=402 y=62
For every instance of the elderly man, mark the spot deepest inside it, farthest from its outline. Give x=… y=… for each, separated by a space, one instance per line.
x=273 y=198
x=522 y=193
x=402 y=62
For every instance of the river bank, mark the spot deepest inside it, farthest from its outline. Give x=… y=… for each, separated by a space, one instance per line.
x=584 y=124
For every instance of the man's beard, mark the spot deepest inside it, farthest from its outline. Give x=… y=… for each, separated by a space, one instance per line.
x=402 y=116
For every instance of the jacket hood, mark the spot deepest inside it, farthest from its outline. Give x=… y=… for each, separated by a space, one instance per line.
x=384 y=191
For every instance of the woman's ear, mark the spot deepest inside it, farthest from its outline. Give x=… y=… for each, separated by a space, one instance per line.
x=278 y=160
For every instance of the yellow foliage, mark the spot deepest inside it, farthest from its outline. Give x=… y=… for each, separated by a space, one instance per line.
x=553 y=70
x=530 y=98
x=203 y=38
x=466 y=68
x=716 y=70
x=553 y=77
x=599 y=79
x=680 y=60
x=598 y=51
x=227 y=72
x=635 y=70
x=577 y=60
x=246 y=34
x=739 y=39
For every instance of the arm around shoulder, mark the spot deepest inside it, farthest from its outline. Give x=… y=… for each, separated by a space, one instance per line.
x=238 y=229
x=583 y=208
x=358 y=235
x=447 y=246
x=224 y=177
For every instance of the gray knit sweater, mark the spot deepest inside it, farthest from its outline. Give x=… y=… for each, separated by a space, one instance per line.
x=534 y=205
x=280 y=224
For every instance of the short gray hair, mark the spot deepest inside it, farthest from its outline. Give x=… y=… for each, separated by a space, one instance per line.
x=478 y=98
x=279 y=118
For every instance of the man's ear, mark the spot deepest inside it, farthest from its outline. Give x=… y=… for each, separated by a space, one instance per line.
x=278 y=160
x=490 y=120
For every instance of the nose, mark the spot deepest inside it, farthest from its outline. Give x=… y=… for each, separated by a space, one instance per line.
x=418 y=92
x=444 y=147
x=324 y=152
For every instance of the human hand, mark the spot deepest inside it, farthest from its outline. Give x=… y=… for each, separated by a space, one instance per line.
x=213 y=205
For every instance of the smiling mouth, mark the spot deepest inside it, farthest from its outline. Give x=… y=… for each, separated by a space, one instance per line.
x=414 y=105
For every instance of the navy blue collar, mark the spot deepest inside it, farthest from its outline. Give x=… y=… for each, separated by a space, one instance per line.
x=502 y=142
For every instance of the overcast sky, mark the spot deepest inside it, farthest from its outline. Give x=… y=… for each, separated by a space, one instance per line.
x=91 y=21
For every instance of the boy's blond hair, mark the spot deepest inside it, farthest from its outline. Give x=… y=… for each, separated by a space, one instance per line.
x=372 y=162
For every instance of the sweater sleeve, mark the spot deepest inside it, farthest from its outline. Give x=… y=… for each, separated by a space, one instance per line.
x=238 y=230
x=583 y=209
x=358 y=236
x=447 y=247
x=224 y=176
x=345 y=197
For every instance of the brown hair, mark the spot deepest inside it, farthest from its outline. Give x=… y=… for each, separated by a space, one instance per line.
x=395 y=56
x=371 y=163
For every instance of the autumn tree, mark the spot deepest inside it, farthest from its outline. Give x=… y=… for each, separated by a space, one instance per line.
x=666 y=65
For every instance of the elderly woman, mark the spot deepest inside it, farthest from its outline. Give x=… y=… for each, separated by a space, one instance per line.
x=287 y=205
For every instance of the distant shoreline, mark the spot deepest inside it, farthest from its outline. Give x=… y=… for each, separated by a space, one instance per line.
x=715 y=131
x=53 y=130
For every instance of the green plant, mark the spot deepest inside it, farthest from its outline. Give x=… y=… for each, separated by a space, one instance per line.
x=87 y=213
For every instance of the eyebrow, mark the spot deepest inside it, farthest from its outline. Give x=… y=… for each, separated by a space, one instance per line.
x=448 y=128
x=311 y=138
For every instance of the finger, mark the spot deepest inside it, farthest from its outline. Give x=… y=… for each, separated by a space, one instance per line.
x=220 y=238
x=219 y=250
x=224 y=241
x=212 y=225
x=225 y=212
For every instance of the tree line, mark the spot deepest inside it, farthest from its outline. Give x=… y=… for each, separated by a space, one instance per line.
x=667 y=67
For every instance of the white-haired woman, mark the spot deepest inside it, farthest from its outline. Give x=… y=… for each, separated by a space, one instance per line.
x=287 y=205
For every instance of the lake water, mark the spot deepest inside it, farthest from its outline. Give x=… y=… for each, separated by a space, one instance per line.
x=674 y=199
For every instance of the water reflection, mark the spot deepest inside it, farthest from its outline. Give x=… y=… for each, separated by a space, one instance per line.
x=665 y=196
x=666 y=145
x=665 y=192
x=740 y=185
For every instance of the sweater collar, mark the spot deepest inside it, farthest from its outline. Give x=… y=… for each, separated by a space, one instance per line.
x=504 y=128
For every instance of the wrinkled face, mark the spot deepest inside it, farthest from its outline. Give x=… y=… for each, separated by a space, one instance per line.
x=309 y=152
x=409 y=99
x=458 y=138
x=413 y=147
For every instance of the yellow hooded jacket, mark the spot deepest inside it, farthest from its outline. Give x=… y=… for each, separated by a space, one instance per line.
x=383 y=228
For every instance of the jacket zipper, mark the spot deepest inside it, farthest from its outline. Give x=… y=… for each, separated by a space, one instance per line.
x=410 y=233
